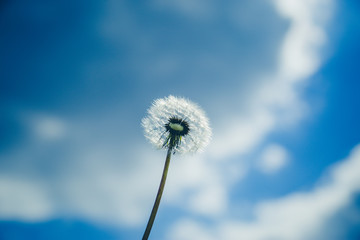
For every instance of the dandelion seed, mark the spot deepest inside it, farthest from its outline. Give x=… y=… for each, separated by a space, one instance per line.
x=178 y=125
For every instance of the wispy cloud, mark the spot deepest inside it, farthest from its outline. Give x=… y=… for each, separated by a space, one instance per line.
x=47 y=128
x=300 y=215
x=277 y=99
x=24 y=199
x=273 y=158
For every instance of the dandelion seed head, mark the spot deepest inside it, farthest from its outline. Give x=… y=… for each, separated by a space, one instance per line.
x=179 y=120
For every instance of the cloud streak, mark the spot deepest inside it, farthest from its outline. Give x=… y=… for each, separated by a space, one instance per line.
x=299 y=216
x=277 y=101
x=273 y=158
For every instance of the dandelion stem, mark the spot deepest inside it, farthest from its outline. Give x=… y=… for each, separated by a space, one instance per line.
x=158 y=196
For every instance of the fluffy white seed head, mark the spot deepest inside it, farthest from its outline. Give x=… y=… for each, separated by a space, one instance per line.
x=164 y=109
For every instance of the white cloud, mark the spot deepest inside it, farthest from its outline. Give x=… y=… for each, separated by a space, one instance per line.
x=276 y=101
x=241 y=134
x=297 y=216
x=209 y=200
x=189 y=230
x=93 y=182
x=273 y=158
x=23 y=199
x=46 y=127
x=299 y=56
x=104 y=192
x=196 y=185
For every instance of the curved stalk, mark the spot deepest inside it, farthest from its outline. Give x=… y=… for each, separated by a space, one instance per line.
x=158 y=196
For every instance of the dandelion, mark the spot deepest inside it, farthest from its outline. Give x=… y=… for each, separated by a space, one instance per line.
x=178 y=125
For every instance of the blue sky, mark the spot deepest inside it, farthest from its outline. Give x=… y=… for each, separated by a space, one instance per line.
x=278 y=80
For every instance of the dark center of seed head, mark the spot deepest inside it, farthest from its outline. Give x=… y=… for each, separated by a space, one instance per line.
x=177 y=126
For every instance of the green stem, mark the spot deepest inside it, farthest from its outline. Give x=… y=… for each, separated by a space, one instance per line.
x=158 y=196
